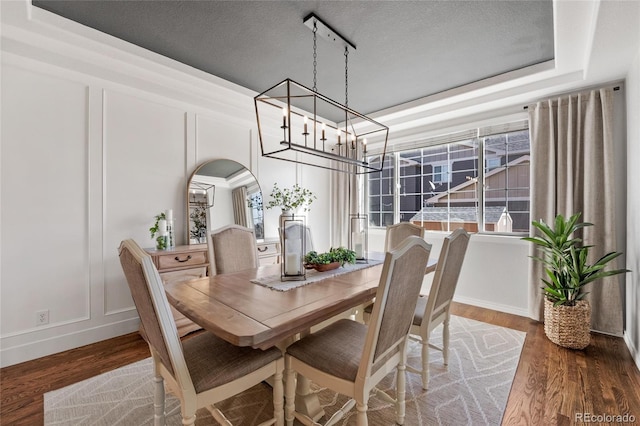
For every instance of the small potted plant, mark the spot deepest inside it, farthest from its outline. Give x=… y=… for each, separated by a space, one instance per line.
x=567 y=317
x=332 y=259
x=291 y=199
x=162 y=241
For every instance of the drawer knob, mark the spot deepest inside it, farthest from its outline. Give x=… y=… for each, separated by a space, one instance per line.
x=263 y=249
x=183 y=260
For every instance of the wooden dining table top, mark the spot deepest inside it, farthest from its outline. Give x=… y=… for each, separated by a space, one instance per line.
x=248 y=314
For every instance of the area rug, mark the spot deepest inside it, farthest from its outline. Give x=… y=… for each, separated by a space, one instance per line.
x=472 y=390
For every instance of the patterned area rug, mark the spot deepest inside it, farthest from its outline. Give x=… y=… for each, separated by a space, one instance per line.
x=472 y=390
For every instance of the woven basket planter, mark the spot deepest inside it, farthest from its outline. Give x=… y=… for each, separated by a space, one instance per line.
x=568 y=326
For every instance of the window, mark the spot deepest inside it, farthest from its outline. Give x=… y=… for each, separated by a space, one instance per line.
x=381 y=191
x=444 y=186
x=441 y=173
x=492 y=163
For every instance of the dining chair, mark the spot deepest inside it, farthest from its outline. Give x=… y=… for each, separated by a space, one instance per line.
x=434 y=309
x=200 y=370
x=352 y=358
x=394 y=235
x=232 y=248
x=398 y=232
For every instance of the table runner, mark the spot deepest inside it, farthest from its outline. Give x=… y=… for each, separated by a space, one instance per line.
x=273 y=281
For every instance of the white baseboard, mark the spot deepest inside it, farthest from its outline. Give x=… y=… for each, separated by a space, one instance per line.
x=53 y=345
x=635 y=352
x=494 y=306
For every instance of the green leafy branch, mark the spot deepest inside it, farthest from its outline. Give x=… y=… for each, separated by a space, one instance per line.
x=291 y=198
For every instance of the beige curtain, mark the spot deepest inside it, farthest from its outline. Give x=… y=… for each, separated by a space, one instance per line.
x=239 y=199
x=345 y=194
x=572 y=171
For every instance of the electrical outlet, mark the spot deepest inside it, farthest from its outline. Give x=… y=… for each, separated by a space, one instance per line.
x=42 y=317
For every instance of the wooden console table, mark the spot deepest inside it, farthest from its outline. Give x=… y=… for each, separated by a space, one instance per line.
x=178 y=264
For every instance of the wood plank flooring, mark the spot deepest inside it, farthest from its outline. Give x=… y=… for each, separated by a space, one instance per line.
x=552 y=384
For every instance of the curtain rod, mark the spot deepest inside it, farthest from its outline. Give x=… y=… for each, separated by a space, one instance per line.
x=615 y=89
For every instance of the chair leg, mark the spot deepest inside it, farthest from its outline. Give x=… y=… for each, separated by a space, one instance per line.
x=445 y=341
x=158 y=401
x=189 y=419
x=188 y=408
x=425 y=363
x=289 y=391
x=278 y=398
x=400 y=393
x=361 y=416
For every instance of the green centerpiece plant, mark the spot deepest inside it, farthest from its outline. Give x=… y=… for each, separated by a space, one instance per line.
x=335 y=256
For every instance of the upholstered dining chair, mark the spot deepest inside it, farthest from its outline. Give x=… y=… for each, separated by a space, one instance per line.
x=202 y=369
x=434 y=309
x=395 y=234
x=232 y=248
x=350 y=357
x=398 y=232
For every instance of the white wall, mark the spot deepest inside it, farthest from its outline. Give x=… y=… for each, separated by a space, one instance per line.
x=632 y=294
x=494 y=272
x=96 y=141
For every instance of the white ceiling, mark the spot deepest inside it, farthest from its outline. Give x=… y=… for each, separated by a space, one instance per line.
x=405 y=50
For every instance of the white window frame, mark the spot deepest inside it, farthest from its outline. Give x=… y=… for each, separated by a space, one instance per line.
x=478 y=132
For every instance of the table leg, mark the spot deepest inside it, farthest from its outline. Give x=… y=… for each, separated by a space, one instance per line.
x=307 y=402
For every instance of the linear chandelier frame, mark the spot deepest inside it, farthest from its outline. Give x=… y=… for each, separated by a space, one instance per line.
x=300 y=125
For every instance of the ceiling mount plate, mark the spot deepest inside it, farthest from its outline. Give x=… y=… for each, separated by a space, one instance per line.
x=326 y=32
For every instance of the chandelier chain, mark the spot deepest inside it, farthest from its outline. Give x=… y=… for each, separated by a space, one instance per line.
x=315 y=56
x=346 y=76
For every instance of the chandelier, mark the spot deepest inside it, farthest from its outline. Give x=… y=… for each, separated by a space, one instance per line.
x=303 y=126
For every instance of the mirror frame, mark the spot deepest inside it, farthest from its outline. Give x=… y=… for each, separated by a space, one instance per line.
x=208 y=191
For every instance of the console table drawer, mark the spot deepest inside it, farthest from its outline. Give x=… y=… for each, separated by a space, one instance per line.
x=268 y=249
x=182 y=260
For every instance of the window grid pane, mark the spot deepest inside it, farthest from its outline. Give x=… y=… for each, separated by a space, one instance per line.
x=507 y=193
x=381 y=193
x=438 y=186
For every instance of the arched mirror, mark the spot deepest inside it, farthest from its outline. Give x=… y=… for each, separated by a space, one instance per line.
x=222 y=192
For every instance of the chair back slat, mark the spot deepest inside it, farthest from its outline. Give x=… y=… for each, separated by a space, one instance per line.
x=133 y=260
x=396 y=298
x=397 y=233
x=232 y=248
x=452 y=257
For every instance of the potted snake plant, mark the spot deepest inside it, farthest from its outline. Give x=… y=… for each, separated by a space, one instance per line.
x=567 y=316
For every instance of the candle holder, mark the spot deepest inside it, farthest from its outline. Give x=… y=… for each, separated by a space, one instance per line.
x=359 y=235
x=292 y=242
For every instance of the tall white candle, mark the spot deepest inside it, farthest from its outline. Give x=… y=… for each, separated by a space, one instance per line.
x=168 y=214
x=162 y=227
x=293 y=264
x=358 y=250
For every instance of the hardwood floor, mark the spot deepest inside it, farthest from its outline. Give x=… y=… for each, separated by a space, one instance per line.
x=552 y=384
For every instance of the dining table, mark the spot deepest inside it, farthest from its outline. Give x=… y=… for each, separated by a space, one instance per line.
x=236 y=309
